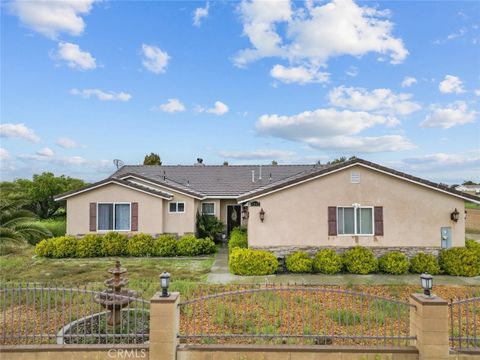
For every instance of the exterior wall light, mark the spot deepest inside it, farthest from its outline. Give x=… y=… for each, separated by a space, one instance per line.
x=262 y=215
x=427 y=284
x=165 y=283
x=245 y=213
x=455 y=215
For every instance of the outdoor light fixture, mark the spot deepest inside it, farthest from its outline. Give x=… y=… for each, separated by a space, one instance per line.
x=427 y=284
x=245 y=213
x=455 y=215
x=262 y=215
x=165 y=283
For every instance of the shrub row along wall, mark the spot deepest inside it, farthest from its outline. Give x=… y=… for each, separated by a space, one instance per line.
x=116 y=244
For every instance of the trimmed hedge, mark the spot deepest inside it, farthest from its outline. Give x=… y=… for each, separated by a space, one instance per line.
x=473 y=245
x=424 y=263
x=238 y=239
x=299 y=262
x=327 y=261
x=360 y=260
x=116 y=244
x=460 y=261
x=394 y=262
x=252 y=262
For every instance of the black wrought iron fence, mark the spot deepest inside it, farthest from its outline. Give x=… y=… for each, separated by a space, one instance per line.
x=39 y=314
x=465 y=324
x=295 y=315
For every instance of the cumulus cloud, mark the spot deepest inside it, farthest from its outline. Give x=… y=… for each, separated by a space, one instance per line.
x=51 y=18
x=352 y=71
x=67 y=143
x=378 y=100
x=101 y=95
x=75 y=57
x=199 y=14
x=311 y=32
x=171 y=106
x=298 y=74
x=18 y=131
x=45 y=152
x=154 y=59
x=219 y=108
x=256 y=154
x=451 y=84
x=408 y=81
x=448 y=116
x=333 y=129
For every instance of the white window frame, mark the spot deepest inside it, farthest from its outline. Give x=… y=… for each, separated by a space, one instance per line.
x=114 y=214
x=355 y=207
x=176 y=207
x=207 y=202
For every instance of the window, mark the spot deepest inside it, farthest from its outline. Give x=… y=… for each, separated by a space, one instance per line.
x=176 y=207
x=112 y=216
x=356 y=220
x=208 y=208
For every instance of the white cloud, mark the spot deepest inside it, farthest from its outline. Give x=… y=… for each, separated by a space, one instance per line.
x=171 y=106
x=477 y=92
x=311 y=32
x=67 y=143
x=199 y=14
x=75 y=57
x=298 y=74
x=51 y=18
x=451 y=84
x=18 y=131
x=219 y=108
x=4 y=154
x=457 y=34
x=352 y=71
x=408 y=81
x=101 y=95
x=256 y=154
x=453 y=114
x=45 y=152
x=333 y=129
x=442 y=160
x=379 y=100
x=154 y=59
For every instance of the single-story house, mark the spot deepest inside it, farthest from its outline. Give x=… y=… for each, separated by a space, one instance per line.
x=469 y=189
x=284 y=207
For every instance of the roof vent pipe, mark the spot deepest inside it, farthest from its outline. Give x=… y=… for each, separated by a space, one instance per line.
x=253 y=175
x=260 y=173
x=270 y=177
x=164 y=176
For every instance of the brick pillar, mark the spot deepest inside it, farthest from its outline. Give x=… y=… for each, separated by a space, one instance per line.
x=429 y=322
x=164 y=324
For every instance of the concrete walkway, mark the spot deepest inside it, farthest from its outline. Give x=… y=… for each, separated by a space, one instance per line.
x=220 y=275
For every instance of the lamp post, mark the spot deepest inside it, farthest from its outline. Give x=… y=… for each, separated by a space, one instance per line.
x=165 y=283
x=427 y=283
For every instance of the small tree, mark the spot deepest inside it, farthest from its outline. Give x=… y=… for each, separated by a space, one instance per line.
x=274 y=162
x=209 y=226
x=469 y=182
x=152 y=159
x=225 y=163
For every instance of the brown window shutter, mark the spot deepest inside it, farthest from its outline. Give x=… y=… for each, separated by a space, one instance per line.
x=332 y=220
x=134 y=224
x=93 y=216
x=378 y=220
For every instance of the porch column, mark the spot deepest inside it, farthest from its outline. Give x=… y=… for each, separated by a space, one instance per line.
x=164 y=325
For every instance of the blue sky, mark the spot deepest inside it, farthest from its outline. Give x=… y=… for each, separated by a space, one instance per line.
x=393 y=82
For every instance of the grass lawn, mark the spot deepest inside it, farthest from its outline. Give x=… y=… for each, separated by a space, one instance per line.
x=142 y=272
x=469 y=205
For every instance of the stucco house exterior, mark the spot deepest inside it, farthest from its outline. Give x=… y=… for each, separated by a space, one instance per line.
x=469 y=189
x=284 y=207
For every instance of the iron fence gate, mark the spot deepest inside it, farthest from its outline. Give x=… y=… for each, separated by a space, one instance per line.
x=465 y=324
x=295 y=315
x=36 y=314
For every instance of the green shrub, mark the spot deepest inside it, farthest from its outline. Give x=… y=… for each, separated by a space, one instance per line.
x=327 y=261
x=424 y=263
x=188 y=246
x=238 y=239
x=114 y=244
x=473 y=245
x=206 y=246
x=89 y=246
x=360 y=260
x=299 y=262
x=252 y=262
x=140 y=245
x=63 y=246
x=460 y=261
x=394 y=262
x=43 y=248
x=165 y=245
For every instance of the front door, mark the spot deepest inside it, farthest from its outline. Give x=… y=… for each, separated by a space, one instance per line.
x=234 y=213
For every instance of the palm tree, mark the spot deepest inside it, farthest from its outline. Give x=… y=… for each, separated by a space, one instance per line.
x=17 y=225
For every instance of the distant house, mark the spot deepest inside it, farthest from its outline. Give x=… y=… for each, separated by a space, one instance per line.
x=285 y=207
x=469 y=189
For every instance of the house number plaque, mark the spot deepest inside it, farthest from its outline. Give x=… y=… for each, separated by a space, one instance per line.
x=254 y=203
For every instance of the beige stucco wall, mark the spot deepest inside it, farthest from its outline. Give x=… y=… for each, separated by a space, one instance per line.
x=180 y=223
x=413 y=215
x=150 y=208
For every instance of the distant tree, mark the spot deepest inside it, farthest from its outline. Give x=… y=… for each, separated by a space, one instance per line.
x=469 y=182
x=274 y=162
x=152 y=159
x=225 y=163
x=340 y=160
x=453 y=186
